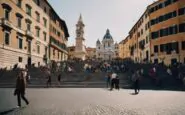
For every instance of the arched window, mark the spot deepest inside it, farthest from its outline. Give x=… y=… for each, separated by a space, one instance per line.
x=108 y=44
x=7 y=10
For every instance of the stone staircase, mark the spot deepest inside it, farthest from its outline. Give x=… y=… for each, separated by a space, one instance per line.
x=74 y=79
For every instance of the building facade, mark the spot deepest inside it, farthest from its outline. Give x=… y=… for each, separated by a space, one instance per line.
x=58 y=34
x=80 y=50
x=91 y=53
x=107 y=49
x=157 y=37
x=24 y=32
x=124 y=51
x=167 y=31
x=71 y=52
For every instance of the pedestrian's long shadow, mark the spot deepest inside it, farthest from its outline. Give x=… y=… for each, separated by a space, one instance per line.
x=133 y=93
x=10 y=111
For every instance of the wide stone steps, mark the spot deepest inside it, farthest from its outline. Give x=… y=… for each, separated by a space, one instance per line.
x=84 y=84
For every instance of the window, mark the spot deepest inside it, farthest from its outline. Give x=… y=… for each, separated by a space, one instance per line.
x=181 y=11
x=141 y=31
x=45 y=22
x=19 y=22
x=37 y=16
x=175 y=29
x=146 y=27
x=37 y=2
x=37 y=32
x=160 y=5
x=156 y=49
x=183 y=45
x=45 y=10
x=162 y=32
x=152 y=22
x=20 y=59
x=44 y=34
x=58 y=54
x=29 y=27
x=108 y=44
x=168 y=48
x=162 y=48
x=58 y=33
x=175 y=47
x=6 y=14
x=19 y=3
x=167 y=2
x=38 y=49
x=138 y=34
x=7 y=38
x=146 y=39
x=155 y=34
x=28 y=9
x=46 y=50
x=166 y=32
x=182 y=27
x=174 y=14
x=20 y=42
x=53 y=52
x=29 y=46
x=161 y=18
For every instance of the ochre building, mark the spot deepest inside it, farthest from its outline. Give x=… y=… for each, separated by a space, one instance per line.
x=25 y=33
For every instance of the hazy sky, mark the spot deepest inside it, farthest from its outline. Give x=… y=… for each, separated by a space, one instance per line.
x=117 y=15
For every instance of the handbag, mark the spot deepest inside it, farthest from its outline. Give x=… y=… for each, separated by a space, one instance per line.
x=15 y=92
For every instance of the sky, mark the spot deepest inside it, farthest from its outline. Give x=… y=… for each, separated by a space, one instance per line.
x=118 y=16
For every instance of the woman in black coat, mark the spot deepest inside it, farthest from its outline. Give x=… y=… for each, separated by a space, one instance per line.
x=20 y=88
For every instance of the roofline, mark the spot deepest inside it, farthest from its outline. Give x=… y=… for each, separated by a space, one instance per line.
x=147 y=8
x=139 y=19
x=61 y=20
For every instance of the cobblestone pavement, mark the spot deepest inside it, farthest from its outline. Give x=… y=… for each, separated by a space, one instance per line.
x=93 y=101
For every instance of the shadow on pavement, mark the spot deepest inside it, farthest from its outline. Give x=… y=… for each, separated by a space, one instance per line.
x=11 y=111
x=8 y=111
x=133 y=93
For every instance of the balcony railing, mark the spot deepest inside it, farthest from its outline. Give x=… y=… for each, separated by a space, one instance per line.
x=29 y=34
x=6 y=23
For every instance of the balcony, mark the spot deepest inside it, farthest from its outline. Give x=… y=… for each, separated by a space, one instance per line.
x=6 y=23
x=29 y=34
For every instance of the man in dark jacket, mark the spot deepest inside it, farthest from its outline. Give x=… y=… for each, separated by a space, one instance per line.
x=20 y=88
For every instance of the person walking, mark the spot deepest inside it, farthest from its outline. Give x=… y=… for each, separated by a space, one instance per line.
x=20 y=88
x=136 y=80
x=59 y=78
x=113 y=78
x=48 y=78
x=108 y=80
x=117 y=82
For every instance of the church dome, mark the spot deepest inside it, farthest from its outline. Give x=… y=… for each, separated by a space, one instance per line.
x=107 y=35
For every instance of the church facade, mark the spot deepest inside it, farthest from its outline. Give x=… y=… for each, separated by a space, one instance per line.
x=80 y=50
x=107 y=49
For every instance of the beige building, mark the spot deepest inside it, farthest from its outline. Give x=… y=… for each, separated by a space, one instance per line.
x=71 y=52
x=91 y=53
x=58 y=38
x=124 y=51
x=143 y=35
x=24 y=32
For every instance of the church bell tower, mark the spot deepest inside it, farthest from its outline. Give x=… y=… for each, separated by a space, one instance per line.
x=80 y=51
